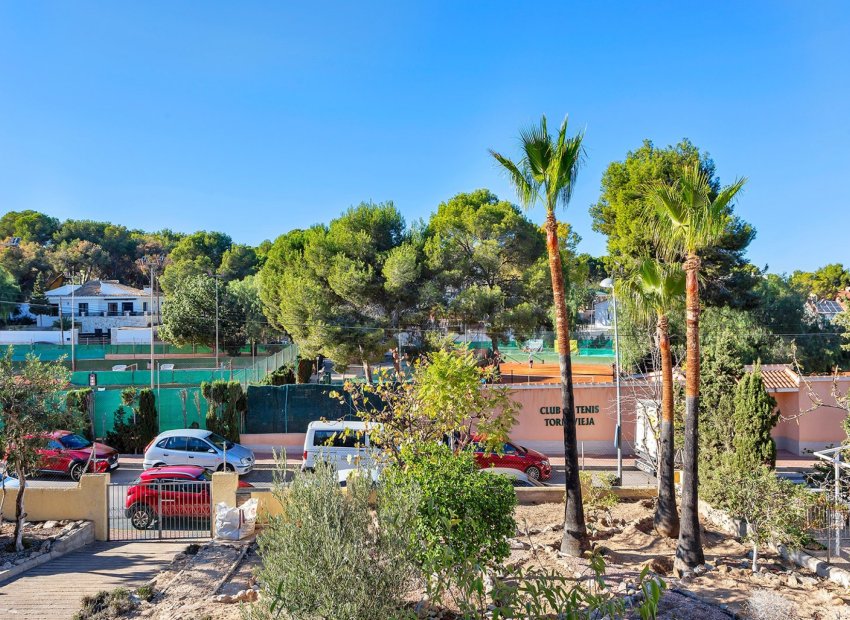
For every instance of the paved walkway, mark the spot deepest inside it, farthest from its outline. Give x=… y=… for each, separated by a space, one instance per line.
x=53 y=590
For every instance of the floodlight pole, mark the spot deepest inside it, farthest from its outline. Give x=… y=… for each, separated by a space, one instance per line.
x=151 y=262
x=618 y=433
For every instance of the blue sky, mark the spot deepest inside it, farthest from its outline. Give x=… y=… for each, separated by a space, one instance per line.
x=258 y=117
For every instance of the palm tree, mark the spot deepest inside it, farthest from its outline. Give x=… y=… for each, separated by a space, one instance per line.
x=691 y=219
x=652 y=293
x=546 y=173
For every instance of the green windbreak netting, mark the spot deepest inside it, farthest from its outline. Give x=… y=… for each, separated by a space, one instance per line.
x=290 y=408
x=169 y=405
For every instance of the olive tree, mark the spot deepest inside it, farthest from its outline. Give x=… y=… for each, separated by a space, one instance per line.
x=30 y=406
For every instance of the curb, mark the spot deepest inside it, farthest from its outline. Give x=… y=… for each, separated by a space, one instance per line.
x=75 y=539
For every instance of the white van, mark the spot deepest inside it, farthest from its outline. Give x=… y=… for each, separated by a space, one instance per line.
x=345 y=444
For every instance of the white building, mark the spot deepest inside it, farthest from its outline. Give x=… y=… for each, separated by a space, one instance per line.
x=102 y=305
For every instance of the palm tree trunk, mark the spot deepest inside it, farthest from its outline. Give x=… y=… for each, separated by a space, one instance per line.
x=574 y=541
x=666 y=514
x=689 y=550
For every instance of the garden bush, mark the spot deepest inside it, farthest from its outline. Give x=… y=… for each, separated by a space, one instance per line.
x=463 y=522
x=331 y=555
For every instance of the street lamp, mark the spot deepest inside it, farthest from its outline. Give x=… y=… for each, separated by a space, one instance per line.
x=152 y=262
x=608 y=283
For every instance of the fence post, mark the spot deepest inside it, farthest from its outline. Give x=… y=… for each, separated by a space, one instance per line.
x=286 y=410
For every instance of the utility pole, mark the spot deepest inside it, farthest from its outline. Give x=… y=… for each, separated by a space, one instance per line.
x=215 y=276
x=151 y=261
x=71 y=277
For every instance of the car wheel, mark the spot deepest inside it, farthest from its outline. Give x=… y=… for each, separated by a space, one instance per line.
x=159 y=464
x=533 y=473
x=77 y=470
x=226 y=467
x=141 y=516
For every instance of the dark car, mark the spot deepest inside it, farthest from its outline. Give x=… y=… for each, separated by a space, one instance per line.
x=68 y=453
x=171 y=491
x=535 y=465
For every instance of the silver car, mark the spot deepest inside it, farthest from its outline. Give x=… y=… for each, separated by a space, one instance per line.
x=195 y=446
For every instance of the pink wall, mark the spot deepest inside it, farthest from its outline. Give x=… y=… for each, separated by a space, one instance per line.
x=538 y=420
x=539 y=416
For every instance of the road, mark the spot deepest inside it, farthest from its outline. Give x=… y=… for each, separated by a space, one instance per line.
x=263 y=475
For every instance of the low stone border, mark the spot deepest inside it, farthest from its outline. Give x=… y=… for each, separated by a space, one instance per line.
x=79 y=534
x=738 y=528
x=546 y=495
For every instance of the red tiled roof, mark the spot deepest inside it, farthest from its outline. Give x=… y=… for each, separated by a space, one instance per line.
x=778 y=377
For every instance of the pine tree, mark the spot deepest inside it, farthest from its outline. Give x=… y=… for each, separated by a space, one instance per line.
x=39 y=304
x=755 y=416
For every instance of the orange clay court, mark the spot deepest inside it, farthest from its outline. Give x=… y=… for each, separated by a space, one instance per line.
x=517 y=372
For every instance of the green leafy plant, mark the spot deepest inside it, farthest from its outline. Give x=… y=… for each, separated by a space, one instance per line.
x=773 y=509
x=598 y=496
x=443 y=398
x=463 y=521
x=30 y=406
x=548 y=594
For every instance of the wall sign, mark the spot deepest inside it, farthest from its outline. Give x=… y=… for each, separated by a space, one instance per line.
x=582 y=415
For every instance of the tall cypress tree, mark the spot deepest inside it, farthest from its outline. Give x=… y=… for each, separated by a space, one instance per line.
x=755 y=416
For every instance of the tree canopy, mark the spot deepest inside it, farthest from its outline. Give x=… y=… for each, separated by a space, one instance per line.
x=620 y=214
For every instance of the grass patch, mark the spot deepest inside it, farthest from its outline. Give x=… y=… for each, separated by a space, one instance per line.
x=106 y=605
x=146 y=592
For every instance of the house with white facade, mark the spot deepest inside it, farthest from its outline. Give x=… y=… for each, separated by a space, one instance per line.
x=103 y=305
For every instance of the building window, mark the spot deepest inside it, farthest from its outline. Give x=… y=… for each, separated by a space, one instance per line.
x=112 y=308
x=83 y=309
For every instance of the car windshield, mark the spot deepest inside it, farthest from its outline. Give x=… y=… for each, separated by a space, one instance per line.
x=219 y=442
x=74 y=442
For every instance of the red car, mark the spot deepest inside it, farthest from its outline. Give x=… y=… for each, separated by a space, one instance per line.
x=170 y=491
x=68 y=453
x=535 y=465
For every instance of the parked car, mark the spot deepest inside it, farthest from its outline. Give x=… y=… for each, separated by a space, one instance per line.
x=172 y=491
x=533 y=463
x=518 y=478
x=195 y=446
x=344 y=444
x=7 y=481
x=68 y=453
x=344 y=475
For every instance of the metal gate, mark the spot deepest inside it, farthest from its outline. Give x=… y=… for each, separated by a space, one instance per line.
x=160 y=510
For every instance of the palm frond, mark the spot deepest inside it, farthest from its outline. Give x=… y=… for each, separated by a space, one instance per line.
x=526 y=188
x=688 y=220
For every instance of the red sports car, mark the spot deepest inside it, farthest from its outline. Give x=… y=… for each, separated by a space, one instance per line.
x=68 y=453
x=535 y=465
x=171 y=491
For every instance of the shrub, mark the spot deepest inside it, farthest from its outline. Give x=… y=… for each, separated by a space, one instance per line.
x=464 y=511
x=774 y=510
x=463 y=521
x=598 y=497
x=284 y=375
x=225 y=403
x=106 y=605
x=329 y=555
x=770 y=605
x=124 y=435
